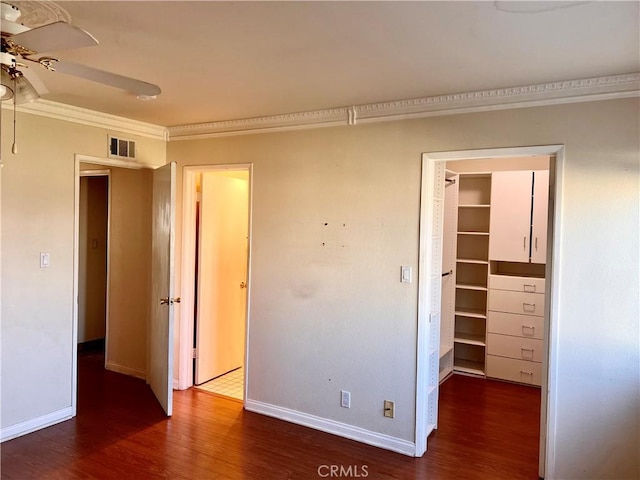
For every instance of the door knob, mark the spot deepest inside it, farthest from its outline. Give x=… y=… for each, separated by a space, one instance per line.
x=243 y=285
x=166 y=301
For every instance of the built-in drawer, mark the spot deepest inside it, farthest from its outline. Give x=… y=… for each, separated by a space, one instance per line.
x=528 y=349
x=516 y=302
x=516 y=284
x=528 y=326
x=514 y=370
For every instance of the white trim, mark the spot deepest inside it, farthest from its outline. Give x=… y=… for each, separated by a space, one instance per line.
x=187 y=288
x=331 y=426
x=76 y=289
x=91 y=118
x=554 y=93
x=95 y=173
x=133 y=372
x=37 y=423
x=114 y=162
x=553 y=268
x=552 y=332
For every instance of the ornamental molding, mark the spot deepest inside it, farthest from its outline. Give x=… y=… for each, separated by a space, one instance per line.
x=91 y=118
x=554 y=93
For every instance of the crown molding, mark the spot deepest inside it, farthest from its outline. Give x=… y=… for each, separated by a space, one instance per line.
x=554 y=93
x=92 y=118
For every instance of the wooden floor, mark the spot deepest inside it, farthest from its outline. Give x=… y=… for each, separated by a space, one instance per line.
x=487 y=430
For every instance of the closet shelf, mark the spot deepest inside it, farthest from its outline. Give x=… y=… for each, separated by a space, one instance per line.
x=472 y=260
x=486 y=234
x=468 y=366
x=484 y=205
x=471 y=286
x=469 y=339
x=471 y=313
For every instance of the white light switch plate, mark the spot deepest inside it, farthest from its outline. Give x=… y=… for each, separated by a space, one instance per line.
x=405 y=274
x=44 y=260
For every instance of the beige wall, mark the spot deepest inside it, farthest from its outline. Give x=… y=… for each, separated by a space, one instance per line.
x=92 y=267
x=37 y=200
x=335 y=215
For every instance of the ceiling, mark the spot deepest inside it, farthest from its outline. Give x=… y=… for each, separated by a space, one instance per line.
x=230 y=60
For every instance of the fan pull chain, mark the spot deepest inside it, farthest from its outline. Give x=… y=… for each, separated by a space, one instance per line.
x=14 y=147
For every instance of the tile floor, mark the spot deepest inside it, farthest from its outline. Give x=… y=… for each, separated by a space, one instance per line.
x=229 y=385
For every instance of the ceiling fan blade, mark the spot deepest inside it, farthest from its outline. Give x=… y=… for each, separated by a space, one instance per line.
x=33 y=77
x=53 y=37
x=132 y=85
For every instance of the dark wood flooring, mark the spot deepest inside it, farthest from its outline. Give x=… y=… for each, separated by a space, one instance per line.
x=487 y=430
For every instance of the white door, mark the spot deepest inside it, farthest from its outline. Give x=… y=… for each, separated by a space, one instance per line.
x=160 y=341
x=222 y=275
x=540 y=214
x=510 y=216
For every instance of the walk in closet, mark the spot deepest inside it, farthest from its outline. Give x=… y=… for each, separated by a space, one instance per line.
x=493 y=264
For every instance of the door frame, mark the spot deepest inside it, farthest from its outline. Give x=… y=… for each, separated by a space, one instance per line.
x=187 y=287
x=548 y=415
x=104 y=162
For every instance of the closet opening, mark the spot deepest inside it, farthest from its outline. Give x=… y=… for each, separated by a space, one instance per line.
x=487 y=230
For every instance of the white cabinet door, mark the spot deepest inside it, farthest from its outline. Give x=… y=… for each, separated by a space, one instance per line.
x=510 y=216
x=540 y=207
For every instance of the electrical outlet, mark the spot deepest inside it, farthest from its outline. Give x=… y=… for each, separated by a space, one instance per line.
x=345 y=399
x=389 y=409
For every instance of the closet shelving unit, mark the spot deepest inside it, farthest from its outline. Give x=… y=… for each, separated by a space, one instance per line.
x=472 y=269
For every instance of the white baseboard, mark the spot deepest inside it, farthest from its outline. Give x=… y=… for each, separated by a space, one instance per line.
x=331 y=426
x=176 y=384
x=34 y=424
x=133 y=372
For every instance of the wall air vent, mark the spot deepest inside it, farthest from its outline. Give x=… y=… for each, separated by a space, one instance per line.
x=121 y=148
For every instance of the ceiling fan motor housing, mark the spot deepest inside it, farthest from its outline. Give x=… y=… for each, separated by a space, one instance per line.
x=9 y=16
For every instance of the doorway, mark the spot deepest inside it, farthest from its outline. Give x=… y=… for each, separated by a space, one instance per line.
x=430 y=307
x=215 y=278
x=93 y=263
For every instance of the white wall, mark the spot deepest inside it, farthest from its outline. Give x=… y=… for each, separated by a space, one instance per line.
x=37 y=200
x=335 y=214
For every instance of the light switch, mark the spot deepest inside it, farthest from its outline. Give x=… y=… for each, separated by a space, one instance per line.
x=405 y=275
x=44 y=259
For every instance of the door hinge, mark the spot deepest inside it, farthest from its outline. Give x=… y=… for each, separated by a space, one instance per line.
x=194 y=354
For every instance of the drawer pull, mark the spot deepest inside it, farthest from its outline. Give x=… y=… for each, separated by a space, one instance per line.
x=528 y=330
x=522 y=372
x=527 y=353
x=524 y=243
x=527 y=287
x=528 y=307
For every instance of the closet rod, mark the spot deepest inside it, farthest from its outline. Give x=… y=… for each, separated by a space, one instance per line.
x=450 y=180
x=447 y=273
